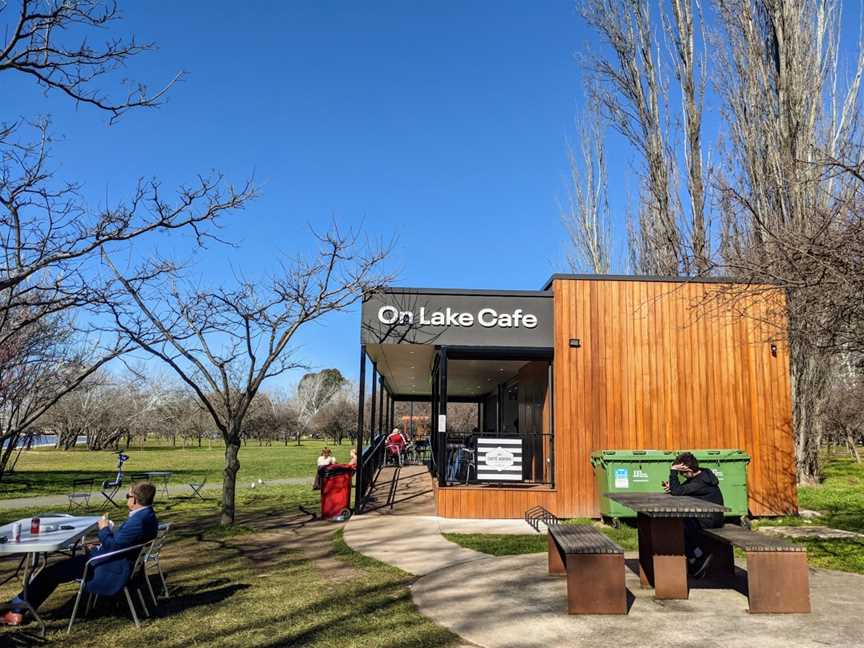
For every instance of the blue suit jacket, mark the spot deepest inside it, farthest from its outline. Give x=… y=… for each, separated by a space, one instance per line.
x=109 y=576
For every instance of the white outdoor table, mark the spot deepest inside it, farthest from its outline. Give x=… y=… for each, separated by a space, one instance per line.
x=44 y=542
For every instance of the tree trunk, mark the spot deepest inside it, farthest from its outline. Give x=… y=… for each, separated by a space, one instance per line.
x=809 y=387
x=229 y=478
x=850 y=442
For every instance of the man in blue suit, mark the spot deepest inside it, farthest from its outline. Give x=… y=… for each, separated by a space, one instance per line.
x=105 y=577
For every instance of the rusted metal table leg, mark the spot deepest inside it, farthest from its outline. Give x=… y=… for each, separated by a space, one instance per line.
x=778 y=582
x=595 y=584
x=669 y=563
x=556 y=562
x=646 y=556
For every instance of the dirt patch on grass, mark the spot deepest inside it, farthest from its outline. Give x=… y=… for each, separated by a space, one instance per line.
x=275 y=535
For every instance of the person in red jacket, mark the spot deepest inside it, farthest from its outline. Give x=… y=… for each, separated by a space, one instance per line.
x=396 y=443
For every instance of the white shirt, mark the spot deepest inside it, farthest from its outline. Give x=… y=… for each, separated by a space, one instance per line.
x=326 y=461
x=134 y=511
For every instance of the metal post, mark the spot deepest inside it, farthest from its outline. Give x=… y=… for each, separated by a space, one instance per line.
x=372 y=418
x=393 y=414
x=442 y=411
x=380 y=404
x=499 y=411
x=411 y=418
x=433 y=418
x=361 y=406
x=551 y=390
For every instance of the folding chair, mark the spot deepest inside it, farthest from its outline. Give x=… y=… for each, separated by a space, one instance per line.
x=152 y=558
x=196 y=484
x=112 y=485
x=133 y=581
x=82 y=489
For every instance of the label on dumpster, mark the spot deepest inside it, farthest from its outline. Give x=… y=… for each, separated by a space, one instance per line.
x=640 y=476
x=621 y=480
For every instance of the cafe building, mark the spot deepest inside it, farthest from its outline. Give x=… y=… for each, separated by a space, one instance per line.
x=587 y=363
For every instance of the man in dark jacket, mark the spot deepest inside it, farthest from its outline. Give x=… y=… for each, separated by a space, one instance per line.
x=703 y=484
x=105 y=577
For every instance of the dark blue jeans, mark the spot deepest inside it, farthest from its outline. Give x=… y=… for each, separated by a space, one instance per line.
x=63 y=571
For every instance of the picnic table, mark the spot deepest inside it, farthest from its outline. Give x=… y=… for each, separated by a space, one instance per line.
x=35 y=546
x=660 y=521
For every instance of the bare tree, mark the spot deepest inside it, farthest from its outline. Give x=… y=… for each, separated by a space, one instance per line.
x=225 y=343
x=779 y=207
x=40 y=362
x=690 y=71
x=587 y=218
x=314 y=391
x=50 y=239
x=628 y=88
x=51 y=42
x=627 y=85
x=338 y=418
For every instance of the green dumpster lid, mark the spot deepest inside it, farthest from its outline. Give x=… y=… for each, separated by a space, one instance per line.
x=632 y=455
x=724 y=454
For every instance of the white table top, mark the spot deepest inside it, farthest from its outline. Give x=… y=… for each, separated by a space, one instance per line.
x=47 y=541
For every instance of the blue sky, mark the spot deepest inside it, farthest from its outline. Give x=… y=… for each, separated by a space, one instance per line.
x=444 y=125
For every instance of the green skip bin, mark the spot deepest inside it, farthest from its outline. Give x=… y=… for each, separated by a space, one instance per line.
x=644 y=471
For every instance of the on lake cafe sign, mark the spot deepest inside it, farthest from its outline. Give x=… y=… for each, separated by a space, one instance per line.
x=450 y=317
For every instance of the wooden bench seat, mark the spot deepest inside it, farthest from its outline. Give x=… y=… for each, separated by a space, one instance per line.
x=594 y=566
x=778 y=580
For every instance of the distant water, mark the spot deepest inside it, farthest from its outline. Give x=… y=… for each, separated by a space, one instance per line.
x=49 y=440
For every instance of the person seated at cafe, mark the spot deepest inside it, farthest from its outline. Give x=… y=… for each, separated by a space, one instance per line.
x=326 y=458
x=703 y=484
x=105 y=577
x=396 y=444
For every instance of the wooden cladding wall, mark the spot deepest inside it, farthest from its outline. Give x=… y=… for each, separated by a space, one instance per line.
x=669 y=366
x=474 y=502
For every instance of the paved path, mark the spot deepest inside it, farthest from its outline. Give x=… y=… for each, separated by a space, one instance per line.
x=512 y=601
x=414 y=542
x=61 y=501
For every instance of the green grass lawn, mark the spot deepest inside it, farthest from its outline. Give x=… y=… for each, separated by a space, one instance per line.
x=250 y=587
x=49 y=471
x=840 y=499
x=512 y=544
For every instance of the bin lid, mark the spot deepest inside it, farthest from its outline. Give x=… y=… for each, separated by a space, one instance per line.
x=336 y=469
x=634 y=456
x=722 y=454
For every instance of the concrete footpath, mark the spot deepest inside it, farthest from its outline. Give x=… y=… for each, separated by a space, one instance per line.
x=174 y=490
x=512 y=601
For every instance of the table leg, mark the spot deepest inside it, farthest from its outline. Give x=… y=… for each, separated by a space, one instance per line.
x=669 y=561
x=646 y=555
x=28 y=568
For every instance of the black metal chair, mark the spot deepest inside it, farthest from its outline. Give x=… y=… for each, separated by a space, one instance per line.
x=196 y=483
x=82 y=490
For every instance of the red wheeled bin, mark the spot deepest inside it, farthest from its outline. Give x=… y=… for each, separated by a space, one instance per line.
x=336 y=491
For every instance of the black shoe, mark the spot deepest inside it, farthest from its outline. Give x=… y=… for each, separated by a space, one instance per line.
x=699 y=572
